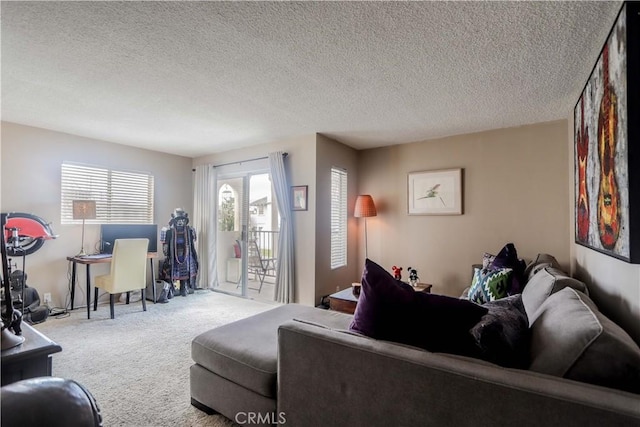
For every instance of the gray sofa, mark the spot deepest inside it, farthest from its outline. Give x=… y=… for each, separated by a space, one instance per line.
x=48 y=401
x=302 y=367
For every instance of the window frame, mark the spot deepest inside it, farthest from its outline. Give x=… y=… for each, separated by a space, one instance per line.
x=339 y=218
x=122 y=196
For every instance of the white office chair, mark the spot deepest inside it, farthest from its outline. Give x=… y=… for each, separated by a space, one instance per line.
x=128 y=271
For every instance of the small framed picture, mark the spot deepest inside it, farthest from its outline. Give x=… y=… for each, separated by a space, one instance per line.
x=299 y=198
x=436 y=192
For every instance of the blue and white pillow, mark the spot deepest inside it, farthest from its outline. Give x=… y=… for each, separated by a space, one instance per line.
x=489 y=285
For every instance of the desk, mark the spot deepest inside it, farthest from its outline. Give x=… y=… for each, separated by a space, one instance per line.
x=30 y=359
x=89 y=261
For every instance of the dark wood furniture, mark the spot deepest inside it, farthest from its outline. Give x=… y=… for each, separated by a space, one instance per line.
x=89 y=261
x=30 y=359
x=345 y=302
x=423 y=287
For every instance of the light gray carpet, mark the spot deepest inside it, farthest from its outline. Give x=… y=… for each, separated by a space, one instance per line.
x=137 y=365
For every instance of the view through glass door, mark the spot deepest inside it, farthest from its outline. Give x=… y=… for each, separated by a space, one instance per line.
x=248 y=229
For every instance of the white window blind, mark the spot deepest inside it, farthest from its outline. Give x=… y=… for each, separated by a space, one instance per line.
x=122 y=197
x=338 y=217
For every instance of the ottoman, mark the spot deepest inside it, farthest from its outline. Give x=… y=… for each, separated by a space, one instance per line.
x=235 y=369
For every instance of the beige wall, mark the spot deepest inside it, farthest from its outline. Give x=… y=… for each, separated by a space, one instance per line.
x=301 y=162
x=514 y=190
x=31 y=160
x=334 y=154
x=614 y=285
x=309 y=163
x=518 y=186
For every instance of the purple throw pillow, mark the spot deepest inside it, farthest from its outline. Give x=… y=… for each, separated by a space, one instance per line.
x=404 y=285
x=390 y=312
x=508 y=258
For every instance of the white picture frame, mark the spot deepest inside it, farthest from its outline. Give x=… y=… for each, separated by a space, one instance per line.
x=299 y=197
x=437 y=192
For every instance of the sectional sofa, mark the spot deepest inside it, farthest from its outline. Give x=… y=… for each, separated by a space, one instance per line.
x=303 y=366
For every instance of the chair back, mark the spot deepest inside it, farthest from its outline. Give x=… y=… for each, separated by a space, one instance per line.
x=254 y=255
x=129 y=265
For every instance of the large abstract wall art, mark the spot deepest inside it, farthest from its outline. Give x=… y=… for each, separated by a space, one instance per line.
x=607 y=145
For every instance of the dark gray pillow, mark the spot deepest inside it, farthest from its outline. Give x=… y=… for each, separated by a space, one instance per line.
x=502 y=335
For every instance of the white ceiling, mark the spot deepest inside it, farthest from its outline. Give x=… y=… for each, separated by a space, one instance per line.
x=195 y=78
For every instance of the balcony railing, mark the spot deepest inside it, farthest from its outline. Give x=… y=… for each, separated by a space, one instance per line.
x=267 y=242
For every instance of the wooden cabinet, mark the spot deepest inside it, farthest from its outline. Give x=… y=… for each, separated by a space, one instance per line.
x=30 y=359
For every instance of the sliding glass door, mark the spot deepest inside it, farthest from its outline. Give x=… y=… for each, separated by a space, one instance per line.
x=248 y=228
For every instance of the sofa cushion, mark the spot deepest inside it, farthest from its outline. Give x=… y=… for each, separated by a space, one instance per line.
x=390 y=312
x=508 y=258
x=541 y=261
x=246 y=351
x=544 y=283
x=503 y=335
x=489 y=285
x=572 y=339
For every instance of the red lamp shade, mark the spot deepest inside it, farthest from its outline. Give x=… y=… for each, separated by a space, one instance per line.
x=364 y=207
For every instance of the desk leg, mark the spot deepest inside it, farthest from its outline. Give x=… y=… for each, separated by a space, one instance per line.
x=153 y=280
x=73 y=282
x=88 y=292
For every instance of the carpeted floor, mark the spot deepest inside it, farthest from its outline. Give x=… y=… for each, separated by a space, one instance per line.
x=137 y=365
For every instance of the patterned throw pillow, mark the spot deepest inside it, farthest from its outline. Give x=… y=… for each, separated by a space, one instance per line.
x=487 y=259
x=489 y=285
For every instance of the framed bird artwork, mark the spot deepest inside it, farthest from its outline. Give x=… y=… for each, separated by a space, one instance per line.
x=437 y=192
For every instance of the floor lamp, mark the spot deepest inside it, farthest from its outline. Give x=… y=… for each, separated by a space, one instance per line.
x=84 y=209
x=364 y=209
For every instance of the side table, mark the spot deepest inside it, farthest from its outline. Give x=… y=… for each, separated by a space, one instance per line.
x=423 y=287
x=30 y=359
x=344 y=301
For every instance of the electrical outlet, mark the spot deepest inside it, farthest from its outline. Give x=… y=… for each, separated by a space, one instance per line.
x=47 y=298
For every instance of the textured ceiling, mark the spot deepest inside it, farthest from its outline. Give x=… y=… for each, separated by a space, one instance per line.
x=195 y=78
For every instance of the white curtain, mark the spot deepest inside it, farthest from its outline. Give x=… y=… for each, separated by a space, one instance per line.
x=285 y=270
x=205 y=218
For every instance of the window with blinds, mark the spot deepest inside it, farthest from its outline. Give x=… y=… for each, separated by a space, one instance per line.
x=122 y=197
x=338 y=217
